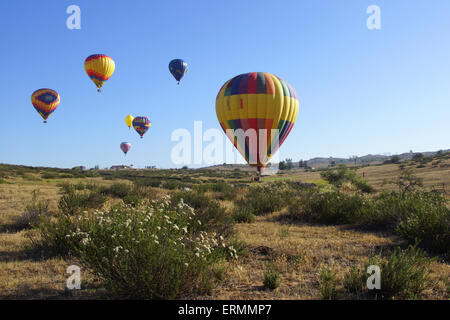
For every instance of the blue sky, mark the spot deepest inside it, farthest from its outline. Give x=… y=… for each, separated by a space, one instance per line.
x=361 y=91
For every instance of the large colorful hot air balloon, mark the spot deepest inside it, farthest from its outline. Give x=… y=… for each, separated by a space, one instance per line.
x=141 y=125
x=99 y=68
x=125 y=147
x=258 y=101
x=178 y=68
x=129 y=120
x=45 y=101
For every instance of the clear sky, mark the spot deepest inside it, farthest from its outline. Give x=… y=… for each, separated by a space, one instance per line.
x=361 y=91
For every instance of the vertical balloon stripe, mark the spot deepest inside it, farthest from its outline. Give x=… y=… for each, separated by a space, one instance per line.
x=261 y=83
x=252 y=83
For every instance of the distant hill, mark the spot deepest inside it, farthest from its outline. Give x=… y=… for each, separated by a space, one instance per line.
x=320 y=162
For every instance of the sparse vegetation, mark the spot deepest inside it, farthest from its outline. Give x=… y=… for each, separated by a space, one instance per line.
x=404 y=275
x=327 y=284
x=271 y=278
x=410 y=208
x=154 y=251
x=34 y=210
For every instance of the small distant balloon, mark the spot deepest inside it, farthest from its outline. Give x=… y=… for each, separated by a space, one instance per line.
x=129 y=120
x=178 y=69
x=45 y=101
x=141 y=124
x=125 y=147
x=99 y=67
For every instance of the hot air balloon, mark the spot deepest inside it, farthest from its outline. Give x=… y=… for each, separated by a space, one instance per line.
x=125 y=147
x=129 y=120
x=259 y=101
x=99 y=68
x=141 y=125
x=45 y=101
x=178 y=68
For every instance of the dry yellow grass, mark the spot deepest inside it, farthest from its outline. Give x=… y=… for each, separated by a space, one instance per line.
x=298 y=251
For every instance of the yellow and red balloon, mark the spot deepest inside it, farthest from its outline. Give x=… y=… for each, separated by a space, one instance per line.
x=99 y=67
x=45 y=101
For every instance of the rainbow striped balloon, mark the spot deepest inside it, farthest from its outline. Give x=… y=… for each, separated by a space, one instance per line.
x=45 y=101
x=141 y=125
x=264 y=107
x=99 y=68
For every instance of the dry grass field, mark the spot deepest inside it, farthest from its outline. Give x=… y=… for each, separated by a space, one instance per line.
x=297 y=250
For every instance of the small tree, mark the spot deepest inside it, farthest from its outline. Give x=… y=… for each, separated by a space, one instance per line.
x=407 y=181
x=395 y=159
x=289 y=164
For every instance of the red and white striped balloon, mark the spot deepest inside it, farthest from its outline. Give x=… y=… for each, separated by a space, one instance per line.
x=125 y=147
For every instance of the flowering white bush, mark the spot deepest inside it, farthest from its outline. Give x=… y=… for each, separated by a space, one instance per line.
x=152 y=251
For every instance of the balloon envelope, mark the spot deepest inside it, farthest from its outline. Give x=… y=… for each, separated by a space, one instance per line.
x=99 y=67
x=45 y=101
x=178 y=68
x=264 y=106
x=129 y=120
x=125 y=147
x=141 y=124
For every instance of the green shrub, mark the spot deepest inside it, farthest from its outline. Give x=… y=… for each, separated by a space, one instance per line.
x=404 y=275
x=243 y=214
x=49 y=176
x=117 y=190
x=72 y=201
x=355 y=280
x=421 y=216
x=271 y=278
x=34 y=210
x=337 y=177
x=265 y=199
x=407 y=181
x=212 y=216
x=363 y=186
x=147 y=182
x=332 y=207
x=80 y=186
x=425 y=218
x=150 y=252
x=224 y=190
x=327 y=284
